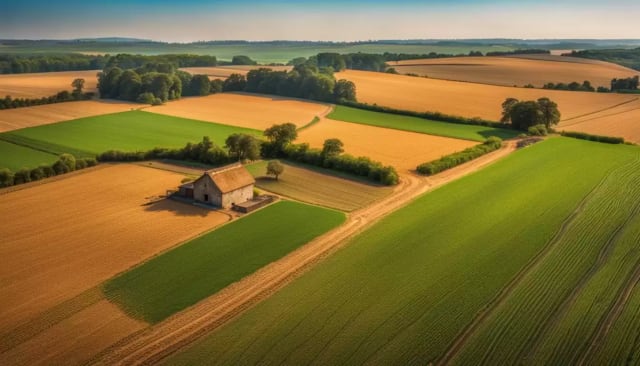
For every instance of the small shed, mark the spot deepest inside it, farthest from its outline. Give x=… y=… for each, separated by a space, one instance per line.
x=221 y=187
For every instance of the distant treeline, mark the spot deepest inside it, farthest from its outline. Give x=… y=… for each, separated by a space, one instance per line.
x=574 y=86
x=13 y=64
x=625 y=57
x=16 y=64
x=304 y=81
x=65 y=164
x=529 y=51
x=625 y=84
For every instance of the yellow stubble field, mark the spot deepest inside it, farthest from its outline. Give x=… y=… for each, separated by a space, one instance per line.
x=44 y=84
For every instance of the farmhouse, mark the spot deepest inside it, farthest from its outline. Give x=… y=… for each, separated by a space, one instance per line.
x=223 y=187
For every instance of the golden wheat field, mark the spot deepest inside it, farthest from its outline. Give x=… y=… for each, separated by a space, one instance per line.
x=61 y=239
x=515 y=71
x=467 y=99
x=244 y=110
x=14 y=119
x=401 y=149
x=621 y=121
x=44 y=84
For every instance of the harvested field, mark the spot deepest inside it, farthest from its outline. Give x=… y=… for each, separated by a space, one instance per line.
x=245 y=110
x=15 y=119
x=511 y=71
x=44 y=84
x=318 y=186
x=74 y=340
x=401 y=149
x=62 y=238
x=223 y=72
x=467 y=99
x=621 y=121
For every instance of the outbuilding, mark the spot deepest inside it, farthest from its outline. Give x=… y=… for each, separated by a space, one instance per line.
x=222 y=187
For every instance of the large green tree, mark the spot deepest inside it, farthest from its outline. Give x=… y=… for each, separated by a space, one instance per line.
x=526 y=114
x=550 y=113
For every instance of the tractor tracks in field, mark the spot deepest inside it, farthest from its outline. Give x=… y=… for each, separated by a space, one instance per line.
x=461 y=340
x=158 y=341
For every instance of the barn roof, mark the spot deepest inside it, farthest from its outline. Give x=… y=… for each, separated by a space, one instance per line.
x=231 y=177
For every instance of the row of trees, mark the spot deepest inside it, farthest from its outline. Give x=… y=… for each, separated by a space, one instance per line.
x=574 y=86
x=625 y=84
x=129 y=61
x=63 y=96
x=455 y=159
x=303 y=81
x=522 y=115
x=65 y=164
x=13 y=64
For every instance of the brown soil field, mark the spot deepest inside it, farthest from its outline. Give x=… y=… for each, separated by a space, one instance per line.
x=63 y=238
x=14 y=119
x=401 y=149
x=244 y=110
x=621 y=121
x=223 y=72
x=44 y=84
x=511 y=71
x=467 y=99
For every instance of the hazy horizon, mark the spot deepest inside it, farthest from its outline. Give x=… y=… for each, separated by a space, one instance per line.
x=258 y=20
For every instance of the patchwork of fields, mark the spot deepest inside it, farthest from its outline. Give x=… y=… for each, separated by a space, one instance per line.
x=365 y=304
x=62 y=238
x=512 y=71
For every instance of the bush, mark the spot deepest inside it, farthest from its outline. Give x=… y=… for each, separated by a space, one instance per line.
x=48 y=171
x=537 y=130
x=36 y=174
x=22 y=176
x=449 y=161
x=596 y=138
x=6 y=177
x=80 y=164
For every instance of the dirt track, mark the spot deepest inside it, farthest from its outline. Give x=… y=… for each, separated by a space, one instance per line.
x=154 y=343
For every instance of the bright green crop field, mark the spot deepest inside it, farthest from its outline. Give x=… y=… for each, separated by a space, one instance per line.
x=126 y=131
x=403 y=291
x=195 y=270
x=15 y=157
x=421 y=125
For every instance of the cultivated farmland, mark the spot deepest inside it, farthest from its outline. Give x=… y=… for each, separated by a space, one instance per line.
x=317 y=186
x=467 y=99
x=365 y=305
x=245 y=110
x=198 y=269
x=421 y=125
x=401 y=149
x=62 y=238
x=45 y=84
x=512 y=71
x=15 y=156
x=622 y=121
x=126 y=131
x=14 y=119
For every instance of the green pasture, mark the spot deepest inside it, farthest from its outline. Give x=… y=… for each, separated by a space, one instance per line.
x=15 y=157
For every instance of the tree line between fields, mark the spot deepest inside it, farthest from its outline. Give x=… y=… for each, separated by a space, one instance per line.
x=63 y=96
x=279 y=144
x=66 y=163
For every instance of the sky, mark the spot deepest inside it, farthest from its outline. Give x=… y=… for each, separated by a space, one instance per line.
x=330 y=20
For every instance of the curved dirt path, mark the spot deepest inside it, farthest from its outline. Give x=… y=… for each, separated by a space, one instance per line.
x=158 y=341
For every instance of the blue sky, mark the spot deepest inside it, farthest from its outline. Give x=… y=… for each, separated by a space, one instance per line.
x=192 y=20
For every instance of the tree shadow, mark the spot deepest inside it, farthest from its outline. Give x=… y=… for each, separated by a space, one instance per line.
x=502 y=133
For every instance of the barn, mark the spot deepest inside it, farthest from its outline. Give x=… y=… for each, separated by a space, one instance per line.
x=221 y=187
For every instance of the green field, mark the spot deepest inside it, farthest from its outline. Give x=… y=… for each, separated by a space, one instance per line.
x=421 y=125
x=261 y=52
x=318 y=187
x=195 y=270
x=402 y=291
x=15 y=157
x=126 y=131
